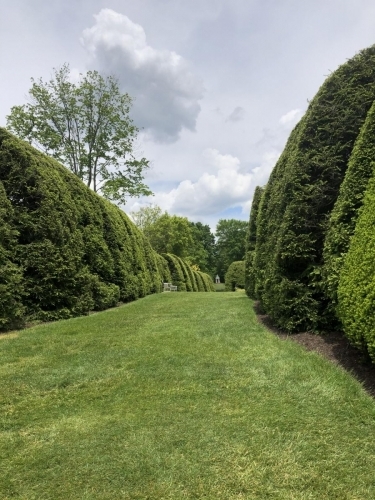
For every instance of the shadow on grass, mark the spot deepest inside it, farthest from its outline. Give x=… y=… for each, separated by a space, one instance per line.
x=332 y=345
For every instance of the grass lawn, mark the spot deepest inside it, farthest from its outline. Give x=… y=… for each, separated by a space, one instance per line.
x=178 y=396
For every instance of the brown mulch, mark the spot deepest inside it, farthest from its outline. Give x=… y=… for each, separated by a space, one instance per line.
x=332 y=345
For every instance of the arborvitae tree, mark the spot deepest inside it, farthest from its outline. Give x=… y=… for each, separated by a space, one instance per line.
x=177 y=276
x=356 y=290
x=207 y=282
x=200 y=283
x=301 y=193
x=184 y=268
x=163 y=269
x=11 y=288
x=77 y=251
x=235 y=276
x=251 y=242
x=192 y=277
x=345 y=212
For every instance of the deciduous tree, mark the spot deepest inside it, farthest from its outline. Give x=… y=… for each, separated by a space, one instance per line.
x=86 y=126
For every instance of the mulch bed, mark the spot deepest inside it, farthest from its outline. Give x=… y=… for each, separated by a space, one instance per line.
x=332 y=345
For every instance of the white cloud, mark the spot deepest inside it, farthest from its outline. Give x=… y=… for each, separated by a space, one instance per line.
x=291 y=118
x=212 y=192
x=166 y=92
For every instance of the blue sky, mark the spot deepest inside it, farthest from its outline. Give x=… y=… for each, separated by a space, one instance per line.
x=217 y=84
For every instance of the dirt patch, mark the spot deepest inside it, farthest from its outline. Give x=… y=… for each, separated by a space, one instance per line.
x=334 y=346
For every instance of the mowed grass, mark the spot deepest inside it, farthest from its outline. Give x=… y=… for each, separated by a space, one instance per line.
x=178 y=396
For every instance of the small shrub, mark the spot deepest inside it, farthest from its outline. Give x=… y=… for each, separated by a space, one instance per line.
x=235 y=276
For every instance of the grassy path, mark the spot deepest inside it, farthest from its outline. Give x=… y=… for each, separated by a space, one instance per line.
x=178 y=396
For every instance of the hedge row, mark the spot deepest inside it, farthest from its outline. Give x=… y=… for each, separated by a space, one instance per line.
x=251 y=238
x=235 y=276
x=344 y=215
x=291 y=225
x=185 y=278
x=356 y=290
x=64 y=250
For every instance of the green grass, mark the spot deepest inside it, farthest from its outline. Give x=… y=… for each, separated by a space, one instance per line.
x=178 y=396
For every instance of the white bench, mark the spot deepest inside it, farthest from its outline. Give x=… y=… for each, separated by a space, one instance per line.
x=168 y=287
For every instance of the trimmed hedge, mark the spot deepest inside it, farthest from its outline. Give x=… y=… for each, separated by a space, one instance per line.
x=200 y=282
x=77 y=251
x=251 y=243
x=11 y=289
x=185 y=278
x=177 y=276
x=163 y=269
x=356 y=290
x=235 y=276
x=207 y=282
x=345 y=212
x=185 y=271
x=301 y=193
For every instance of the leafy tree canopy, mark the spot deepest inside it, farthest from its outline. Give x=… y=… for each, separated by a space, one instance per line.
x=177 y=235
x=230 y=243
x=86 y=126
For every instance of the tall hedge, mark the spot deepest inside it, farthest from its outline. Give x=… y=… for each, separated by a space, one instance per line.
x=356 y=290
x=200 y=282
x=11 y=289
x=163 y=269
x=301 y=193
x=251 y=243
x=207 y=282
x=177 y=275
x=235 y=276
x=345 y=212
x=77 y=251
x=187 y=279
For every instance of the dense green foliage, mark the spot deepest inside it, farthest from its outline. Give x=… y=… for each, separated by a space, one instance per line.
x=77 y=252
x=301 y=193
x=235 y=276
x=251 y=236
x=230 y=243
x=356 y=290
x=192 y=241
x=345 y=212
x=87 y=127
x=65 y=250
x=185 y=278
x=11 y=289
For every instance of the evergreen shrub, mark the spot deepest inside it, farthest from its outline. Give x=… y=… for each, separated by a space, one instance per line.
x=76 y=251
x=251 y=243
x=356 y=290
x=177 y=276
x=344 y=215
x=235 y=276
x=11 y=288
x=301 y=193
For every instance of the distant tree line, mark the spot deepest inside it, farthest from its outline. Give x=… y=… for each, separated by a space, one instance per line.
x=193 y=241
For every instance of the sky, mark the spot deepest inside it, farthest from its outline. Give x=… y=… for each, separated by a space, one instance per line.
x=217 y=85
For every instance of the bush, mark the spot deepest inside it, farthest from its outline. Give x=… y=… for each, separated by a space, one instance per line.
x=11 y=283
x=301 y=193
x=356 y=290
x=77 y=251
x=177 y=276
x=235 y=276
x=345 y=212
x=200 y=282
x=251 y=242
